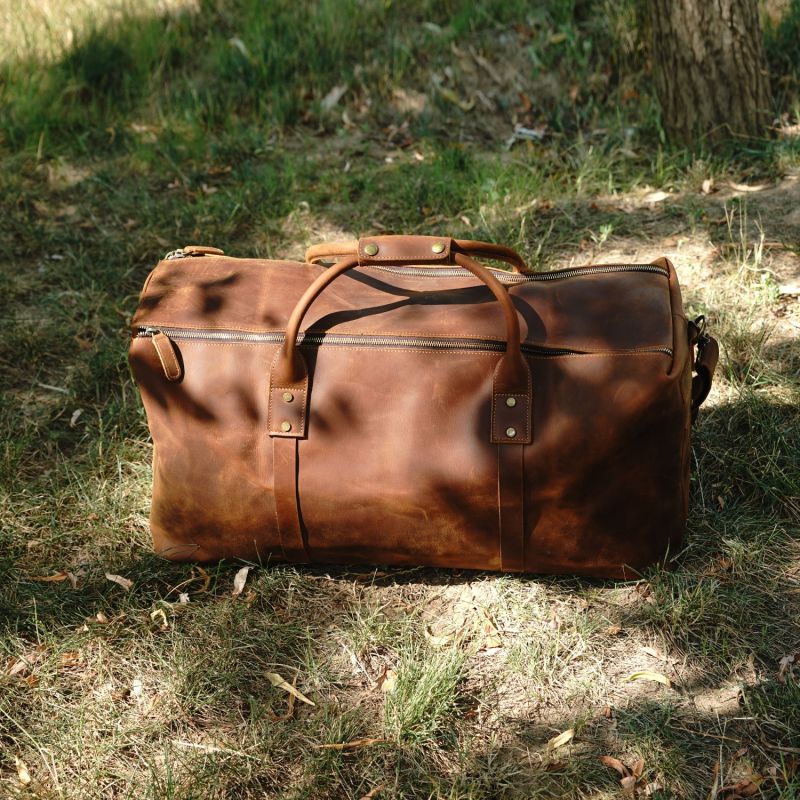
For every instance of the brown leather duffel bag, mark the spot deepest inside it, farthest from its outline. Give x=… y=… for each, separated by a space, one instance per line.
x=408 y=405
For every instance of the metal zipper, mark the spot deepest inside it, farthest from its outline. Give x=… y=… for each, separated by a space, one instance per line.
x=527 y=277
x=503 y=275
x=311 y=339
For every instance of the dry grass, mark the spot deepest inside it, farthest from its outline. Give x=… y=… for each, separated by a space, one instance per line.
x=425 y=683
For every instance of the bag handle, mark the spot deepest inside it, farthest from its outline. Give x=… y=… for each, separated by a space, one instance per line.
x=511 y=385
x=396 y=249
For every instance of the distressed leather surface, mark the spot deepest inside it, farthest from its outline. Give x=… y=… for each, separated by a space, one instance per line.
x=395 y=463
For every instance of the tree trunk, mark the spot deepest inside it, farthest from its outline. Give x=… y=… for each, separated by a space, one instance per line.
x=709 y=69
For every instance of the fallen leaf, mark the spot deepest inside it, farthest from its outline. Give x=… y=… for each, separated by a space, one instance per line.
x=747 y=787
x=76 y=414
x=452 y=97
x=353 y=745
x=101 y=618
x=655 y=197
x=239 y=45
x=72 y=658
x=22 y=771
x=708 y=185
x=491 y=636
x=278 y=682
x=614 y=763
x=562 y=739
x=438 y=640
x=57 y=578
x=289 y=707
x=372 y=793
x=125 y=583
x=183 y=598
x=18 y=667
x=333 y=97
x=239 y=581
x=159 y=612
x=644 y=675
x=748 y=187
x=203 y=576
x=387 y=682
x=786 y=666
x=614 y=630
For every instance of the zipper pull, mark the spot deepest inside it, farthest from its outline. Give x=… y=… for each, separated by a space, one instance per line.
x=168 y=356
x=191 y=250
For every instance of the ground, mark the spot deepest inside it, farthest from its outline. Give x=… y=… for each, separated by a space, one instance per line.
x=126 y=131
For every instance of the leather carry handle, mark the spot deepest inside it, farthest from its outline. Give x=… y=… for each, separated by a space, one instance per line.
x=332 y=250
x=511 y=386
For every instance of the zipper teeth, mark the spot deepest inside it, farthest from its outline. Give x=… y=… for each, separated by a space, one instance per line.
x=515 y=277
x=317 y=339
x=505 y=277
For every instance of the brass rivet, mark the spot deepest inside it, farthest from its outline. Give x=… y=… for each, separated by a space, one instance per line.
x=287 y=426
x=437 y=247
x=511 y=432
x=288 y=397
x=371 y=249
x=511 y=401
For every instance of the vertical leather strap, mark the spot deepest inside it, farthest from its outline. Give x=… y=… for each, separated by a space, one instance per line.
x=511 y=505
x=287 y=503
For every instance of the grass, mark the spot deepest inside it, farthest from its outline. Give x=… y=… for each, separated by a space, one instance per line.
x=127 y=130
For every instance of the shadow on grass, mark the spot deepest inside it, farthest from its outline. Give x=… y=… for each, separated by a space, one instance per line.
x=730 y=610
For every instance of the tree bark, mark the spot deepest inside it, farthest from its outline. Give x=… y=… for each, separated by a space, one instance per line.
x=709 y=68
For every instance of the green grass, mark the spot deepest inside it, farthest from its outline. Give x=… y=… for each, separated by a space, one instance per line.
x=129 y=129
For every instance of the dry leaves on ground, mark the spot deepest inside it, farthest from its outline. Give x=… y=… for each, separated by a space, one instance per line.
x=125 y=583
x=645 y=675
x=280 y=683
x=559 y=741
x=629 y=776
x=239 y=581
x=352 y=745
x=22 y=771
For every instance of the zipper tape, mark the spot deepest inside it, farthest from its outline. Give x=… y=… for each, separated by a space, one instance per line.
x=311 y=339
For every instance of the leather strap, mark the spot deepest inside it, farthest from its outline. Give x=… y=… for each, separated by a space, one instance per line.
x=287 y=501
x=512 y=376
x=395 y=249
x=511 y=506
x=704 y=364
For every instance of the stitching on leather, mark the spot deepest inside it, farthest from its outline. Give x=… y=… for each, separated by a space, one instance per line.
x=403 y=334
x=275 y=495
x=174 y=359
x=302 y=404
x=526 y=400
x=438 y=256
x=494 y=353
x=177 y=372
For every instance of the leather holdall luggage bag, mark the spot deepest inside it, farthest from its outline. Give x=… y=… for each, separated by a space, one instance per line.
x=395 y=401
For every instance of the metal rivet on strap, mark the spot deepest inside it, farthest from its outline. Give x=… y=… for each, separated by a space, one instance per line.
x=437 y=247
x=511 y=432
x=288 y=397
x=371 y=249
x=511 y=401
x=287 y=426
